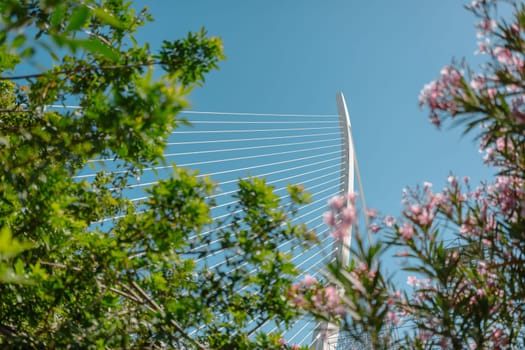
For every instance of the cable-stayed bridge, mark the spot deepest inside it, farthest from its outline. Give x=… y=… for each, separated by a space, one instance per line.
x=313 y=150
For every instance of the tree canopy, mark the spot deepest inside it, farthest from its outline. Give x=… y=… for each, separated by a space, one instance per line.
x=68 y=282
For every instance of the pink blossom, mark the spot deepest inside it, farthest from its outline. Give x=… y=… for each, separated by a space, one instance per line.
x=336 y=202
x=416 y=209
x=351 y=197
x=349 y=215
x=372 y=213
x=329 y=219
x=406 y=231
x=309 y=280
x=375 y=228
x=412 y=281
x=478 y=82
x=340 y=233
x=491 y=92
x=332 y=297
x=389 y=221
x=486 y=26
x=450 y=75
x=424 y=218
x=393 y=318
x=482 y=47
x=502 y=54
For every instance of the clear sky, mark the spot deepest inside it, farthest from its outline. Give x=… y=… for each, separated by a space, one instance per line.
x=292 y=56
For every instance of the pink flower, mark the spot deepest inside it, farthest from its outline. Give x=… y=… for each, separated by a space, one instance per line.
x=336 y=202
x=502 y=54
x=340 y=233
x=425 y=218
x=487 y=25
x=329 y=219
x=375 y=228
x=478 y=82
x=309 y=280
x=332 y=297
x=372 y=213
x=406 y=231
x=393 y=318
x=389 y=221
x=352 y=197
x=415 y=209
x=412 y=281
x=349 y=215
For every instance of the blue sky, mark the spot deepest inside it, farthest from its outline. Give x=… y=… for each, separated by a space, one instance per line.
x=293 y=56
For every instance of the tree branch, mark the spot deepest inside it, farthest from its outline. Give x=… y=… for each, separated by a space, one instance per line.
x=172 y=322
x=80 y=69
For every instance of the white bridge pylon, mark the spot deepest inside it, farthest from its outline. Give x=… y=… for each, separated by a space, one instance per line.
x=326 y=334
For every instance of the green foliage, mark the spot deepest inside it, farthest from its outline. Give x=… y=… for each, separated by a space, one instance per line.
x=66 y=279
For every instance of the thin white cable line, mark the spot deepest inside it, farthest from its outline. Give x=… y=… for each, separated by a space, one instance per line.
x=310 y=257
x=269 y=182
x=308 y=334
x=278 y=180
x=83 y=176
x=140 y=212
x=223 y=113
x=261 y=114
x=281 y=171
x=245 y=148
x=216 y=265
x=250 y=139
x=271 y=164
x=306 y=324
x=258 y=122
x=302 y=253
x=258 y=175
x=276 y=190
x=278 y=325
x=257 y=156
x=251 y=130
x=294 y=219
x=225 y=150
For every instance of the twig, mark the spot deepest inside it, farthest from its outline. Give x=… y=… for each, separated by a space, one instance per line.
x=173 y=323
x=80 y=69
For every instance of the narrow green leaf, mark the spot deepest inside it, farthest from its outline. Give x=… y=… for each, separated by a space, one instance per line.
x=19 y=40
x=78 y=18
x=107 y=18
x=96 y=46
x=57 y=16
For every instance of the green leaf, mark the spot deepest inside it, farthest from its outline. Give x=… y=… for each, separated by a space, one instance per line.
x=96 y=46
x=57 y=16
x=19 y=40
x=78 y=18
x=107 y=18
